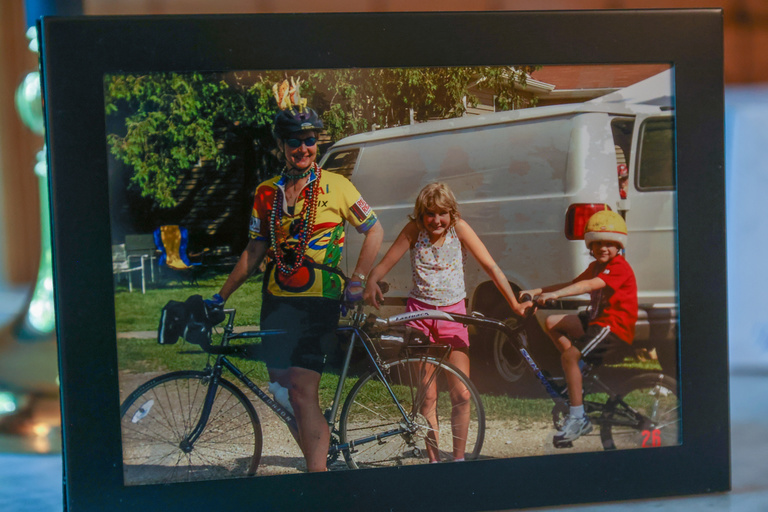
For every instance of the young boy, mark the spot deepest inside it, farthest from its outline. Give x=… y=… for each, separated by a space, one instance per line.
x=604 y=332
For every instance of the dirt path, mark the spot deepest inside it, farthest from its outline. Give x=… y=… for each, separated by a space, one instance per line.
x=503 y=438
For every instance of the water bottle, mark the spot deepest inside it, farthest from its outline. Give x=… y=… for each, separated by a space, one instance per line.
x=142 y=412
x=281 y=395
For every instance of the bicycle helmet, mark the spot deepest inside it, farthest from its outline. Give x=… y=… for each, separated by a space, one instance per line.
x=606 y=225
x=293 y=120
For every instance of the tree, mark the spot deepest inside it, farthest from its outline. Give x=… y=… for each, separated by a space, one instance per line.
x=359 y=100
x=173 y=122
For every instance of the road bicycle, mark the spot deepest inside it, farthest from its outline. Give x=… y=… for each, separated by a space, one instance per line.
x=198 y=425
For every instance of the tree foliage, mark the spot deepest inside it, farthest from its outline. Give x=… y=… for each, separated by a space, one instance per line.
x=175 y=121
x=359 y=100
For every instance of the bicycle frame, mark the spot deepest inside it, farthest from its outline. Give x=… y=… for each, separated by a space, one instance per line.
x=559 y=397
x=358 y=336
x=480 y=321
x=356 y=333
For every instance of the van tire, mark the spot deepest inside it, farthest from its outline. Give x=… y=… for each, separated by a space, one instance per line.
x=487 y=344
x=495 y=363
x=509 y=363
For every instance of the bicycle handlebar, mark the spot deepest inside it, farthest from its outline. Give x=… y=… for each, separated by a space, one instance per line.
x=548 y=304
x=431 y=314
x=366 y=321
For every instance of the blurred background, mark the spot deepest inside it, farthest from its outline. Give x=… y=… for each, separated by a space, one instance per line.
x=29 y=420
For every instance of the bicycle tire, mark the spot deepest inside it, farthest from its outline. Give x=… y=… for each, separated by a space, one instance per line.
x=655 y=397
x=161 y=413
x=369 y=411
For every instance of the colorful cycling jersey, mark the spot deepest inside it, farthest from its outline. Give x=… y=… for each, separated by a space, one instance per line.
x=337 y=201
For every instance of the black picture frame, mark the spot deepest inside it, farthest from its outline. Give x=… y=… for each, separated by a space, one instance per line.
x=77 y=52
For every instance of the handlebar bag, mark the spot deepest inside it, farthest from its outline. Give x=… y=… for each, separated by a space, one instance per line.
x=192 y=319
x=173 y=320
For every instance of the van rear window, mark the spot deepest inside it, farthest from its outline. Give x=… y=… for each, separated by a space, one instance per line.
x=655 y=164
x=342 y=162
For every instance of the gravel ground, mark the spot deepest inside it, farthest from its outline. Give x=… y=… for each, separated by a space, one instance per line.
x=503 y=438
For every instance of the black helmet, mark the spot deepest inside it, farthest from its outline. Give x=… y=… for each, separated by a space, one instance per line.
x=293 y=120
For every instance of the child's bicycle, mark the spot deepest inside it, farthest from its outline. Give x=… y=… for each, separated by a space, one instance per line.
x=640 y=412
x=198 y=425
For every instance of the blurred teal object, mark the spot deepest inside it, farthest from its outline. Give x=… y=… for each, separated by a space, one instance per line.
x=39 y=320
x=8 y=403
x=29 y=103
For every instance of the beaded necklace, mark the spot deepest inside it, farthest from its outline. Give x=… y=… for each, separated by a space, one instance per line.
x=308 y=212
x=295 y=176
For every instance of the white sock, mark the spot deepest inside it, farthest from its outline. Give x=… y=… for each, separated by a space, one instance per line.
x=577 y=411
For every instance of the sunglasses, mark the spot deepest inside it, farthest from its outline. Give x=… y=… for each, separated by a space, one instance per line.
x=295 y=143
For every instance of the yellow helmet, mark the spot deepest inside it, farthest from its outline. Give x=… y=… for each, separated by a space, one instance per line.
x=606 y=225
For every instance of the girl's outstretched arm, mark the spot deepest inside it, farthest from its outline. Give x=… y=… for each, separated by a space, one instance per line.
x=477 y=248
x=372 y=294
x=535 y=292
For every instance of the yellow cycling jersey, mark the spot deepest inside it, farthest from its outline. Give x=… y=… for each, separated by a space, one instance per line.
x=338 y=201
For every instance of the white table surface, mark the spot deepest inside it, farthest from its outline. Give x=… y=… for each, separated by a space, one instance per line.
x=32 y=483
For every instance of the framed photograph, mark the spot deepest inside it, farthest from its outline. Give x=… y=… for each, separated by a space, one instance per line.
x=553 y=131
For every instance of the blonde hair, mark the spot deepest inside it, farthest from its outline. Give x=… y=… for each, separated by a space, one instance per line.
x=436 y=197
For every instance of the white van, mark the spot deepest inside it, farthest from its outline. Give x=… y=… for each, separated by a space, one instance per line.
x=527 y=181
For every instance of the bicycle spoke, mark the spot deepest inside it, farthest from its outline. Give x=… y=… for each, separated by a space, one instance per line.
x=369 y=413
x=156 y=445
x=654 y=398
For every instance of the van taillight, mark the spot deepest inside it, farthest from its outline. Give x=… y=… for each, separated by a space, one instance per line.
x=577 y=216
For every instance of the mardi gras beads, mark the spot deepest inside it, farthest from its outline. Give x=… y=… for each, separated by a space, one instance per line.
x=306 y=228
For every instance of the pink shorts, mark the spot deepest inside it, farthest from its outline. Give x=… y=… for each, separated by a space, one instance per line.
x=441 y=331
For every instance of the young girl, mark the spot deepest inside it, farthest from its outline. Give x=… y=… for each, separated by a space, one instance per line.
x=438 y=239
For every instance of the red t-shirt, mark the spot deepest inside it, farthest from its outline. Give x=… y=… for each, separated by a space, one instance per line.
x=615 y=305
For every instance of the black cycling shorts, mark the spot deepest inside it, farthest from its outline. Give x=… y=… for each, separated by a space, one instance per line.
x=599 y=345
x=310 y=331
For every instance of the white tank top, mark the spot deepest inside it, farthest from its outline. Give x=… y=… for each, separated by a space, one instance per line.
x=438 y=272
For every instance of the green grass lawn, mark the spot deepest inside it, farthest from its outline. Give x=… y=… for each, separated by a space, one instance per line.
x=141 y=312
x=144 y=355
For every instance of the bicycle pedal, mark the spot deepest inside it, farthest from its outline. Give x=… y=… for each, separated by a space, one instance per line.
x=562 y=444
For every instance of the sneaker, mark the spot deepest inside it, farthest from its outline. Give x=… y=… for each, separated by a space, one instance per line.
x=572 y=429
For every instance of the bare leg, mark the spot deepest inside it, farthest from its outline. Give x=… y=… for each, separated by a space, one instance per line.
x=313 y=433
x=460 y=406
x=562 y=328
x=281 y=377
x=570 y=361
x=428 y=387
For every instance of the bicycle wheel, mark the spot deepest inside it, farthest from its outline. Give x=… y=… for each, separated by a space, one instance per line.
x=657 y=418
x=158 y=417
x=381 y=436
